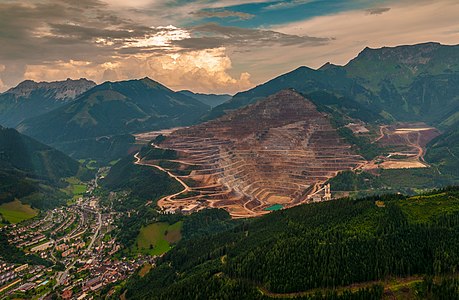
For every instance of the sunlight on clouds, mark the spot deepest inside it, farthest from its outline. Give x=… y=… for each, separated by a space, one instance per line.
x=162 y=38
x=157 y=57
x=132 y=3
x=200 y=71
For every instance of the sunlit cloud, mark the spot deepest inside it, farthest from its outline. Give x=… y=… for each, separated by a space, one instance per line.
x=204 y=70
x=222 y=14
x=161 y=38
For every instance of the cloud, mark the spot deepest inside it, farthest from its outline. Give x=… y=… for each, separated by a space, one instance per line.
x=408 y=22
x=204 y=70
x=57 y=39
x=223 y=14
x=114 y=39
x=286 y=4
x=377 y=10
x=52 y=40
x=212 y=35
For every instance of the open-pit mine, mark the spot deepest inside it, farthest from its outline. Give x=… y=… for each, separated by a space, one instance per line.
x=405 y=145
x=276 y=153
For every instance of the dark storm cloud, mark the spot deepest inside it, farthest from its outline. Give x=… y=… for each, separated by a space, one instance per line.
x=213 y=35
x=378 y=10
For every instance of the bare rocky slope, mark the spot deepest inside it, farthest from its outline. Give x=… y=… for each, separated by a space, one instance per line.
x=277 y=151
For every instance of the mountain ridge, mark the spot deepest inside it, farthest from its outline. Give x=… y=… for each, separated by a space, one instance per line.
x=30 y=99
x=113 y=109
x=402 y=83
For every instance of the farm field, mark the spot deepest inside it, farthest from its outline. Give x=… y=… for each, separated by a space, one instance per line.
x=158 y=238
x=16 y=212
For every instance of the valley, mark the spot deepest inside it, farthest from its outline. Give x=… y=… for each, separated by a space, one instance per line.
x=73 y=251
x=328 y=183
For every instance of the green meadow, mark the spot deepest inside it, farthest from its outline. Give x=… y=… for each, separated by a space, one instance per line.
x=16 y=212
x=158 y=238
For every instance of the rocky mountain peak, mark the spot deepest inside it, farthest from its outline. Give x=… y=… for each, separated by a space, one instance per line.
x=61 y=90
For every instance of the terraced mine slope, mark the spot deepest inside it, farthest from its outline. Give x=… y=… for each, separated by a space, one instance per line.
x=275 y=152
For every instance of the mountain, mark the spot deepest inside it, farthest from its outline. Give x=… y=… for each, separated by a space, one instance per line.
x=404 y=83
x=113 y=109
x=29 y=168
x=209 y=99
x=418 y=82
x=373 y=248
x=274 y=152
x=30 y=98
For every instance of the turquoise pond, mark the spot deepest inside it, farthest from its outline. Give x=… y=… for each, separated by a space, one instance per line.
x=275 y=207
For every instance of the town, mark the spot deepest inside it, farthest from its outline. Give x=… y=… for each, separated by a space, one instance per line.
x=79 y=255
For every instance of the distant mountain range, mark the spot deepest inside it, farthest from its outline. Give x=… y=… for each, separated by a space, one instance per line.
x=30 y=99
x=405 y=83
x=113 y=109
x=209 y=99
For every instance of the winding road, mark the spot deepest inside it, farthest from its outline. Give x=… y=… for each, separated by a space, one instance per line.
x=186 y=188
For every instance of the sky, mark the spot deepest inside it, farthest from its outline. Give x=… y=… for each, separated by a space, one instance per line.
x=208 y=46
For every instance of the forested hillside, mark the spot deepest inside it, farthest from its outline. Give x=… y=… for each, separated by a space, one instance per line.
x=144 y=182
x=102 y=116
x=32 y=171
x=315 y=249
x=443 y=152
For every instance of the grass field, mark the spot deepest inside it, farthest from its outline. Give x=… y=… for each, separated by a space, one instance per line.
x=145 y=269
x=16 y=212
x=157 y=238
x=92 y=165
x=76 y=188
x=113 y=162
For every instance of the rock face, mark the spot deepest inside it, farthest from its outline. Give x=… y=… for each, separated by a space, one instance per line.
x=59 y=90
x=277 y=151
x=30 y=98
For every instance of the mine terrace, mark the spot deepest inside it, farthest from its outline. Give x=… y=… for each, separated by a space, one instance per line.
x=277 y=153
